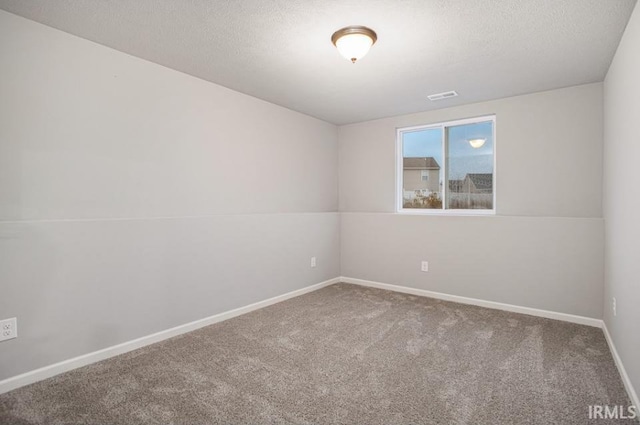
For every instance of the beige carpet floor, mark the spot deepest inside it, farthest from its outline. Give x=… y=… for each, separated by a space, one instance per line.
x=343 y=355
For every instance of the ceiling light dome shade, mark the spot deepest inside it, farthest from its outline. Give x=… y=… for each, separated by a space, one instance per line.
x=354 y=42
x=477 y=143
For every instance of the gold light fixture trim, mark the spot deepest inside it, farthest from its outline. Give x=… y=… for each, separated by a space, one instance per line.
x=353 y=42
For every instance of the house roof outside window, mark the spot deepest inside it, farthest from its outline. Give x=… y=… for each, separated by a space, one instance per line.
x=482 y=181
x=427 y=163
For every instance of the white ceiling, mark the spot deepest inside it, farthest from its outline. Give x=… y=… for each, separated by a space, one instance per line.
x=280 y=50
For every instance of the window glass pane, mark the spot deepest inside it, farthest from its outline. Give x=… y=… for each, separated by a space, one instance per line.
x=422 y=173
x=469 y=151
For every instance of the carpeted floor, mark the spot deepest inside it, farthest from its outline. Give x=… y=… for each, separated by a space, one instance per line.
x=344 y=354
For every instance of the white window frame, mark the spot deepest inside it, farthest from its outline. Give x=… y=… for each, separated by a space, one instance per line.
x=423 y=174
x=442 y=126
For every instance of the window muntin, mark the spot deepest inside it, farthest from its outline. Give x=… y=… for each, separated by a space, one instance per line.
x=458 y=158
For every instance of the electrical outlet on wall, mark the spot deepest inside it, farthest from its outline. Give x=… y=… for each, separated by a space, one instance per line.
x=614 y=307
x=8 y=329
x=424 y=266
x=313 y=261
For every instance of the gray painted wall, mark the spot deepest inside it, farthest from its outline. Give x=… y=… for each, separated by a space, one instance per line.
x=134 y=198
x=543 y=249
x=622 y=198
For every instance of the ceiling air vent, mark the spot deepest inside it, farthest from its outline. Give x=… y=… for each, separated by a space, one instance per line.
x=440 y=96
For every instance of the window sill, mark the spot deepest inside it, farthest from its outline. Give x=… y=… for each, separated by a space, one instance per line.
x=445 y=213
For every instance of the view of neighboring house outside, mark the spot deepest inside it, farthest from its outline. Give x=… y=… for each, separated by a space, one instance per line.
x=478 y=183
x=421 y=174
x=474 y=191
x=455 y=186
x=421 y=187
x=447 y=166
x=420 y=178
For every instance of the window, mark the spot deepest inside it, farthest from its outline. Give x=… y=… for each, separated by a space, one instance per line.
x=447 y=167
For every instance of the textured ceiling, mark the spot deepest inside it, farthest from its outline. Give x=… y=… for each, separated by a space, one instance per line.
x=280 y=50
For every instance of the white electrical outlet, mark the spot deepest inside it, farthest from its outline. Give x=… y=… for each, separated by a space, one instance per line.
x=8 y=329
x=615 y=313
x=313 y=261
x=424 y=266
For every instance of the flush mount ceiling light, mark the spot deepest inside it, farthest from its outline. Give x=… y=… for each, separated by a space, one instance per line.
x=354 y=42
x=476 y=143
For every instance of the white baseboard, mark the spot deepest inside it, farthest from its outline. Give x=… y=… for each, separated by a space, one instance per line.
x=96 y=356
x=481 y=303
x=623 y=373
